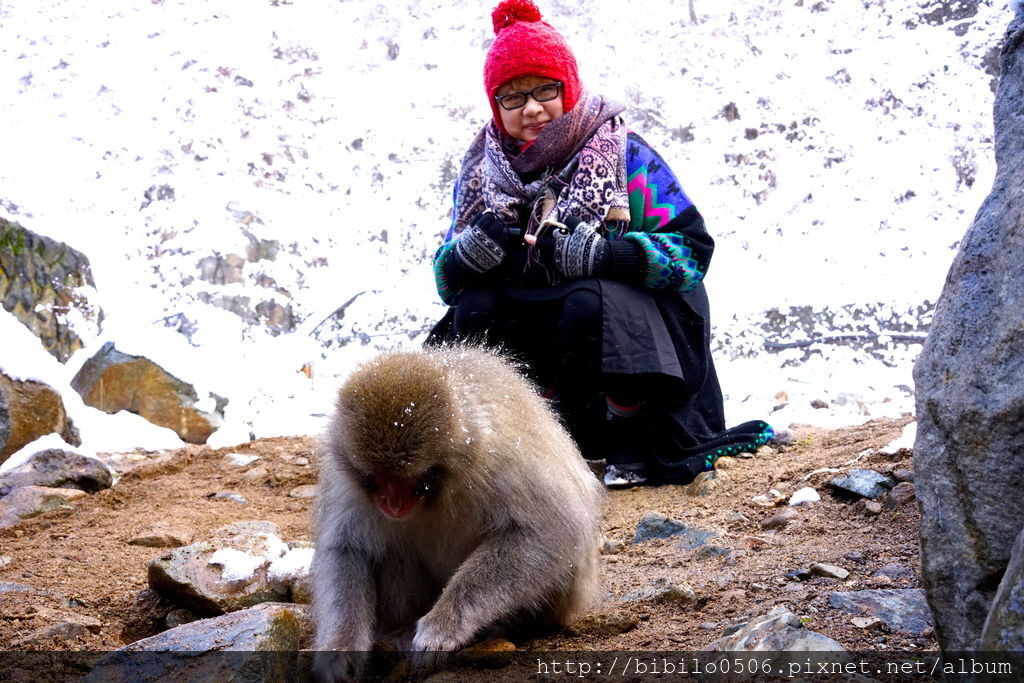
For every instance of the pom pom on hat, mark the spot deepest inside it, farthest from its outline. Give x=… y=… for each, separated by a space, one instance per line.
x=511 y=11
x=526 y=45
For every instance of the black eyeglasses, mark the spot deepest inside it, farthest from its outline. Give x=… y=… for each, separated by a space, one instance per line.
x=542 y=93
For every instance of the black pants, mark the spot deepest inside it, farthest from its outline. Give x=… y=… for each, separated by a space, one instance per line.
x=559 y=343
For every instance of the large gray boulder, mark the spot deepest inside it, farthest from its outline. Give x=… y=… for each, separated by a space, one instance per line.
x=969 y=453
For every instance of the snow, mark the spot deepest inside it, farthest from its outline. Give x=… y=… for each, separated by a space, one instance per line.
x=905 y=440
x=236 y=565
x=335 y=129
x=292 y=565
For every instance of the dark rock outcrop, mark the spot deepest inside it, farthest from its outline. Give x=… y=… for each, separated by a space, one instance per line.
x=58 y=468
x=41 y=282
x=969 y=453
x=29 y=410
x=113 y=381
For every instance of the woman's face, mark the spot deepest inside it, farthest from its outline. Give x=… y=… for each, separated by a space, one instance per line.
x=526 y=122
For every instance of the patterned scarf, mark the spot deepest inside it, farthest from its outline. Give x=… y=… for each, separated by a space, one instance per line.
x=578 y=161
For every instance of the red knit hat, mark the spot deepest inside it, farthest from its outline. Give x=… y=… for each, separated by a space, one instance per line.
x=525 y=45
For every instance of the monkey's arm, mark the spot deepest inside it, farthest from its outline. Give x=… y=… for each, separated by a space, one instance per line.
x=510 y=570
x=344 y=608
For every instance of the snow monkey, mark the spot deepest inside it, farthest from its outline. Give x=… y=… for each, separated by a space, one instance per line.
x=450 y=500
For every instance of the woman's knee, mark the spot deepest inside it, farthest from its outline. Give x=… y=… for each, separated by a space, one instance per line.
x=477 y=313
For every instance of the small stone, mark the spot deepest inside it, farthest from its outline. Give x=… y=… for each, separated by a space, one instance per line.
x=753 y=542
x=708 y=626
x=902 y=474
x=894 y=572
x=609 y=547
x=819 y=404
x=29 y=501
x=256 y=475
x=241 y=459
x=862 y=483
x=901 y=494
x=783 y=439
x=802 y=574
x=829 y=571
x=770 y=499
x=662 y=591
x=739 y=517
x=162 y=535
x=178 y=617
x=704 y=485
x=228 y=495
x=867 y=623
x=604 y=624
x=872 y=508
x=856 y=557
x=780 y=520
x=805 y=495
x=304 y=491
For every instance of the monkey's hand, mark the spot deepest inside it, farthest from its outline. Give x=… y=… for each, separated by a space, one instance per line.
x=334 y=667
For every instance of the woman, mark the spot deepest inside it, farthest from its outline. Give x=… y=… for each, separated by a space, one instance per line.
x=574 y=247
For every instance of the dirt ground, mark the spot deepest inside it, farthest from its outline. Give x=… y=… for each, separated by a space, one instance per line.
x=78 y=560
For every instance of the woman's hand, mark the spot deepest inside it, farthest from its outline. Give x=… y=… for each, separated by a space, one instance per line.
x=481 y=246
x=573 y=249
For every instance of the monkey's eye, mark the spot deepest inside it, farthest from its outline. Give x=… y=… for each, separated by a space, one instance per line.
x=369 y=483
x=424 y=489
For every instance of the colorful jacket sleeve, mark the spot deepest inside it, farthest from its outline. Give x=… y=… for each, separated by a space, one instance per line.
x=664 y=222
x=446 y=272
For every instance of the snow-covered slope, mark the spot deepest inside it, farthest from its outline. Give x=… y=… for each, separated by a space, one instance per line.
x=838 y=151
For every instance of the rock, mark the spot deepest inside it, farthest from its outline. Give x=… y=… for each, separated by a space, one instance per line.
x=901 y=494
x=705 y=483
x=29 y=410
x=969 y=383
x=902 y=610
x=1004 y=627
x=862 y=483
x=663 y=591
x=867 y=623
x=770 y=499
x=872 y=508
x=903 y=474
x=29 y=501
x=783 y=438
x=609 y=547
x=829 y=571
x=42 y=638
x=819 y=404
x=604 y=624
x=656 y=525
x=267 y=639
x=241 y=459
x=233 y=570
x=780 y=519
x=46 y=284
x=801 y=574
x=805 y=495
x=753 y=542
x=162 y=535
x=179 y=617
x=112 y=381
x=228 y=495
x=894 y=572
x=779 y=631
x=58 y=468
x=256 y=475
x=856 y=557
x=304 y=491
x=7 y=587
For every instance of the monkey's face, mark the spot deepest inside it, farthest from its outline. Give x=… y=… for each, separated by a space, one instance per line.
x=398 y=497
